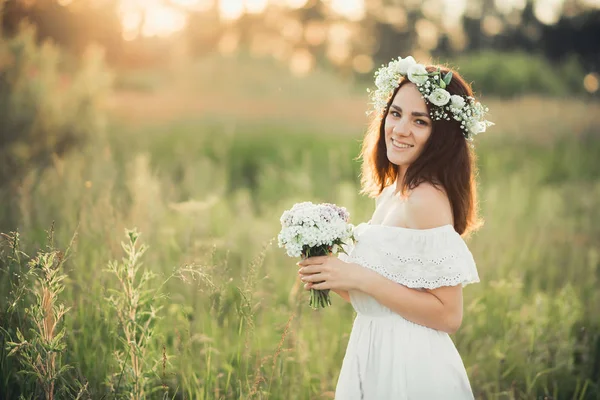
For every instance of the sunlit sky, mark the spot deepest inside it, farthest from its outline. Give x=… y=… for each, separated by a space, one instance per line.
x=158 y=18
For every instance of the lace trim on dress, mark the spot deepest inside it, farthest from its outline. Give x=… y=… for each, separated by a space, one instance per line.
x=414 y=258
x=420 y=275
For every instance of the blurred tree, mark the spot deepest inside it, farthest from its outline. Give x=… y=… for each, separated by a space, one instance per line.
x=395 y=28
x=203 y=30
x=574 y=35
x=71 y=24
x=45 y=109
x=317 y=33
x=577 y=35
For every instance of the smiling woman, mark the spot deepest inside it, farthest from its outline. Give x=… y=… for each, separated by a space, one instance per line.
x=405 y=271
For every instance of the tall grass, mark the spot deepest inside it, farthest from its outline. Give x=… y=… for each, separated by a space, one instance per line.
x=39 y=343
x=135 y=303
x=207 y=195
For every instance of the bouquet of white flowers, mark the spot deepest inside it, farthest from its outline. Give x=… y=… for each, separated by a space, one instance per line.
x=310 y=230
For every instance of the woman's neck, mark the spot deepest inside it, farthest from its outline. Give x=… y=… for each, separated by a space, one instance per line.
x=400 y=179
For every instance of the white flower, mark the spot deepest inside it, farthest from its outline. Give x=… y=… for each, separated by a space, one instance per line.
x=404 y=64
x=476 y=127
x=417 y=74
x=457 y=101
x=382 y=79
x=439 y=97
x=313 y=225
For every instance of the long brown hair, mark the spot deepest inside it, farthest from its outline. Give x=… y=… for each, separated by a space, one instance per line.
x=447 y=160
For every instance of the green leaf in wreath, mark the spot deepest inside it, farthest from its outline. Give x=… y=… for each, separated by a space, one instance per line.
x=448 y=78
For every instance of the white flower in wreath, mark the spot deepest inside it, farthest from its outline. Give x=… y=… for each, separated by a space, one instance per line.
x=457 y=101
x=476 y=127
x=417 y=74
x=404 y=64
x=439 y=97
x=382 y=79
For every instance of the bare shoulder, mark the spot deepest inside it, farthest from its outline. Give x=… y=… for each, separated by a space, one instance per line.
x=428 y=207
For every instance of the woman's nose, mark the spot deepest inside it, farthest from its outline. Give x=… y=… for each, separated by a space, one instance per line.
x=400 y=127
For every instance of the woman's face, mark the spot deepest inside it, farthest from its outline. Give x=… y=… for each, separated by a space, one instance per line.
x=407 y=126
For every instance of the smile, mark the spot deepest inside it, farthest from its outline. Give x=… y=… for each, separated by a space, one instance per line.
x=401 y=145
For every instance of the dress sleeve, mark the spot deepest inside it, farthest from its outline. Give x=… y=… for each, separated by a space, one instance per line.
x=428 y=259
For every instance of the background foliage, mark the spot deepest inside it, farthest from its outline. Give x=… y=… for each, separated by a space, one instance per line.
x=49 y=104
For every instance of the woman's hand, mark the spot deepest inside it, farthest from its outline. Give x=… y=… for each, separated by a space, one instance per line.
x=331 y=273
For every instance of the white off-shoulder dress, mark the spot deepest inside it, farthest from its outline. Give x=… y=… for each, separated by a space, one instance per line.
x=389 y=357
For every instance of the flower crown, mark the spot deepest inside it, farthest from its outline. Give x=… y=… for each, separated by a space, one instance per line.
x=470 y=113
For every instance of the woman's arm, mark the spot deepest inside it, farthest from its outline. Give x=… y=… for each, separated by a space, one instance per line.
x=439 y=308
x=342 y=293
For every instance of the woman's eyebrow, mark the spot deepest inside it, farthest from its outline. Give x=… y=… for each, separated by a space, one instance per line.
x=415 y=113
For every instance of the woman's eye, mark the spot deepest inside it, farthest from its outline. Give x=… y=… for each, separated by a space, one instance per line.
x=421 y=122
x=395 y=114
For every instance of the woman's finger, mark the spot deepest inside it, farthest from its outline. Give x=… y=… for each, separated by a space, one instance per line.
x=313 y=278
x=312 y=261
x=321 y=286
x=314 y=269
x=307 y=286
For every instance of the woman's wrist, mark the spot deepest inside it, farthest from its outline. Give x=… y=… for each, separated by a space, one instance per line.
x=365 y=279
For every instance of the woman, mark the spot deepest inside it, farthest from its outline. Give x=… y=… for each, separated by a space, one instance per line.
x=404 y=275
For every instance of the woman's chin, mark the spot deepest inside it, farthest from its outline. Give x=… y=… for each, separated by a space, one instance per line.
x=394 y=159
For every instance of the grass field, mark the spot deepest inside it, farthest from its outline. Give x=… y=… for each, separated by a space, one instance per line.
x=204 y=176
